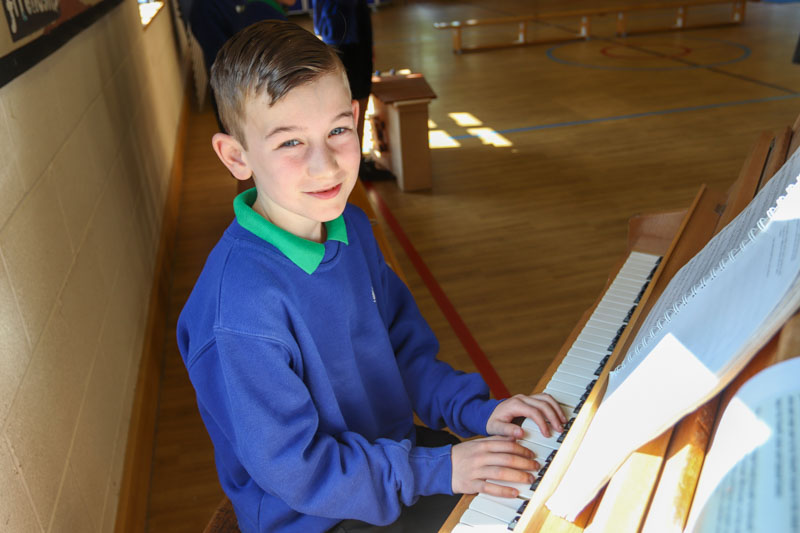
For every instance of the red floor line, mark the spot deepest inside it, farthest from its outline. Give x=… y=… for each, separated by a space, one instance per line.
x=474 y=351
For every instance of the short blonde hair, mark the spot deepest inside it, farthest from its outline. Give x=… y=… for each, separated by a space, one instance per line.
x=271 y=56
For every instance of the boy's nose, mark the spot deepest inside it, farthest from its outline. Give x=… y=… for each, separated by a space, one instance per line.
x=322 y=162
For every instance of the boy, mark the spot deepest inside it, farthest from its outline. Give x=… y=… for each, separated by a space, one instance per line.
x=307 y=353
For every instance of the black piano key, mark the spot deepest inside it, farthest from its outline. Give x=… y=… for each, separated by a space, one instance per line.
x=615 y=340
x=566 y=429
x=578 y=407
x=639 y=296
x=652 y=273
x=590 y=385
x=628 y=316
x=513 y=523
x=601 y=365
x=522 y=506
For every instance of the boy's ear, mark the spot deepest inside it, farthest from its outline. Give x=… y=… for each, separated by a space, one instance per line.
x=231 y=153
x=355 y=110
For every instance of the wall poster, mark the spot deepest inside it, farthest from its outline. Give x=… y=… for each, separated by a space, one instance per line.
x=33 y=29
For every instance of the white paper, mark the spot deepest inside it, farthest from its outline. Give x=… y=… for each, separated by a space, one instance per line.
x=750 y=480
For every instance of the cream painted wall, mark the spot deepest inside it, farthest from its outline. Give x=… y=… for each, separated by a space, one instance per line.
x=87 y=139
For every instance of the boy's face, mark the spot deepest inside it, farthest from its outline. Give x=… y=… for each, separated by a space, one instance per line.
x=304 y=154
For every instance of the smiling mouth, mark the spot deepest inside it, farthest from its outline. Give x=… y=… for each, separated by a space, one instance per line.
x=327 y=193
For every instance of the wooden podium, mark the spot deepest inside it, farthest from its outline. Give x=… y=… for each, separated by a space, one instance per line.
x=400 y=128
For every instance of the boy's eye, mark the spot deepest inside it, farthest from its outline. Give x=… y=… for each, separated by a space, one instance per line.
x=293 y=142
x=338 y=131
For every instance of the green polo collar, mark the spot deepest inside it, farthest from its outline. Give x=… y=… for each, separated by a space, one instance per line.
x=302 y=252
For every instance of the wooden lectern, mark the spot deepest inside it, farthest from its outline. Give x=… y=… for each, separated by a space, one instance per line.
x=400 y=128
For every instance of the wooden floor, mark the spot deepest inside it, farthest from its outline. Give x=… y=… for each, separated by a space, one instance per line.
x=520 y=237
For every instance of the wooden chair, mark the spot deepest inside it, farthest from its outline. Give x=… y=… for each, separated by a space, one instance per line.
x=223 y=520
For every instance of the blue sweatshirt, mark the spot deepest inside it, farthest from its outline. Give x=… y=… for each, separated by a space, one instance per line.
x=308 y=361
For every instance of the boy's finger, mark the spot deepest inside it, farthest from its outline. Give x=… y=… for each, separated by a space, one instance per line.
x=507 y=429
x=501 y=473
x=540 y=409
x=556 y=407
x=501 y=491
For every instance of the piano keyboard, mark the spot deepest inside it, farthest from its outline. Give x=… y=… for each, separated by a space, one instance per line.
x=570 y=386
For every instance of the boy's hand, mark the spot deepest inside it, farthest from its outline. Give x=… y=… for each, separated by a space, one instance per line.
x=541 y=408
x=500 y=458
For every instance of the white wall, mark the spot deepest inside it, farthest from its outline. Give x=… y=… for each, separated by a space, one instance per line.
x=87 y=139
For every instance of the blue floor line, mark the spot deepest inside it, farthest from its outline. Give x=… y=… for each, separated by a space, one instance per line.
x=638 y=115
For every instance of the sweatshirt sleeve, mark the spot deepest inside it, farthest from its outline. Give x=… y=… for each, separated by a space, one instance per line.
x=277 y=440
x=441 y=395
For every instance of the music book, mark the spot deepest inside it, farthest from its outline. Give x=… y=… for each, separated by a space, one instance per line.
x=714 y=315
x=749 y=478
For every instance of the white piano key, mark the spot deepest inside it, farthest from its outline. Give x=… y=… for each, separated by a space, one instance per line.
x=605 y=321
x=567 y=410
x=540 y=451
x=587 y=374
x=589 y=347
x=643 y=257
x=584 y=355
x=575 y=390
x=614 y=306
x=488 y=524
x=584 y=348
x=623 y=287
x=532 y=434
x=623 y=303
x=612 y=315
x=624 y=292
x=601 y=333
x=636 y=265
x=598 y=342
x=636 y=272
x=493 y=509
x=600 y=321
x=579 y=362
x=463 y=528
x=565 y=398
x=524 y=489
x=511 y=503
x=634 y=275
x=627 y=285
x=571 y=379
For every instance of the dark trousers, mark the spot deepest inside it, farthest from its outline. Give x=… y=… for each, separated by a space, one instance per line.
x=428 y=514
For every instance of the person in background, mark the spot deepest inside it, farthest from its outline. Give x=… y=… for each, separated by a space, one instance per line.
x=346 y=25
x=213 y=22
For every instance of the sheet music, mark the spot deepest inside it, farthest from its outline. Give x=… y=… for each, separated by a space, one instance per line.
x=717 y=250
x=750 y=480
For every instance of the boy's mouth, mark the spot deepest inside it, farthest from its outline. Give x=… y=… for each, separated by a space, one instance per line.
x=326 y=193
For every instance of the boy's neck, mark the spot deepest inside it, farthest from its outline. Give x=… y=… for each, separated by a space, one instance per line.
x=316 y=231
